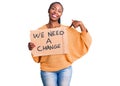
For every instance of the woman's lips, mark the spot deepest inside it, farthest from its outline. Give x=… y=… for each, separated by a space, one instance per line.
x=54 y=16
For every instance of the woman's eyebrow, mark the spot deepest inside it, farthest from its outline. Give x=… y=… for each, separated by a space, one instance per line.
x=55 y=7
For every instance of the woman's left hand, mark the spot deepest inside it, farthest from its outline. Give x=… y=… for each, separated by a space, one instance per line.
x=77 y=24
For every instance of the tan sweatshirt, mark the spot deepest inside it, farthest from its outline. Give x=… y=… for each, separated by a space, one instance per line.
x=78 y=45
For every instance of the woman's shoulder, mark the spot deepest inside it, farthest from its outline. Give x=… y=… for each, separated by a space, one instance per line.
x=68 y=28
x=45 y=27
x=42 y=27
x=65 y=26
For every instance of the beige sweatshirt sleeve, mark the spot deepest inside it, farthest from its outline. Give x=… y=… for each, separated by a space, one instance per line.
x=36 y=58
x=79 y=43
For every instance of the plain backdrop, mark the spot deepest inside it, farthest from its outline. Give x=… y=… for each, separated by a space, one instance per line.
x=99 y=67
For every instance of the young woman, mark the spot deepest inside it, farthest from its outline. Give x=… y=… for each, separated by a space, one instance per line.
x=56 y=70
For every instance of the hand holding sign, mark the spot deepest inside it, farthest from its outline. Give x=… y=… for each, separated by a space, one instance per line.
x=31 y=45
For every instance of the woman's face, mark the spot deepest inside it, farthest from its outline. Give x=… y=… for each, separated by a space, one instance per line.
x=55 y=12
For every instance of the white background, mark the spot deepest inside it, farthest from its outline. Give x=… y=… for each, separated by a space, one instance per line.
x=99 y=67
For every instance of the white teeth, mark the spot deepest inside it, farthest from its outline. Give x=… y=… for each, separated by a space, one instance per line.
x=54 y=15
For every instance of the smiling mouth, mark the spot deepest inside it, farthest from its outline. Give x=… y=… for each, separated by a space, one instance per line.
x=54 y=16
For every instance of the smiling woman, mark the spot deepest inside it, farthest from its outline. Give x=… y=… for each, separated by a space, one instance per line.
x=56 y=69
x=55 y=11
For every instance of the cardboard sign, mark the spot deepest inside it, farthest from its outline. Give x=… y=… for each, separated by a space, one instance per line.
x=49 y=41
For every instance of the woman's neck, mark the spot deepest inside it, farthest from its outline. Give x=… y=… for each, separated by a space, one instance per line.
x=53 y=24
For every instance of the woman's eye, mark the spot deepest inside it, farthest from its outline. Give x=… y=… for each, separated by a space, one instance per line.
x=60 y=11
x=53 y=8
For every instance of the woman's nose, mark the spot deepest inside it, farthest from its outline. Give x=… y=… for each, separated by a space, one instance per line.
x=56 y=11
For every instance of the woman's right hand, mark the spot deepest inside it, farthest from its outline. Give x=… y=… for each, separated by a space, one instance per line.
x=31 y=45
